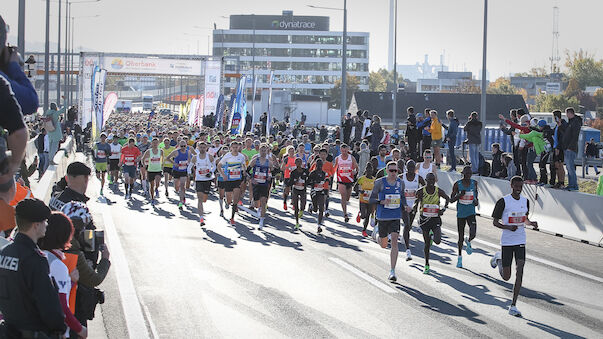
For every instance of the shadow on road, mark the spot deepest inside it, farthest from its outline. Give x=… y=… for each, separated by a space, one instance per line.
x=217 y=238
x=552 y=330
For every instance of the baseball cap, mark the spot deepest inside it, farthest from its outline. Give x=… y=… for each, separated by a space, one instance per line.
x=34 y=210
x=419 y=115
x=103 y=134
x=78 y=168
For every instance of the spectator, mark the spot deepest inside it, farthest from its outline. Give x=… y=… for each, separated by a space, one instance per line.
x=412 y=133
x=591 y=153
x=452 y=131
x=264 y=121
x=435 y=130
x=7 y=212
x=364 y=157
x=347 y=127
x=358 y=126
x=538 y=147
x=26 y=172
x=570 y=144
x=29 y=300
x=55 y=135
x=59 y=233
x=473 y=128
x=248 y=123
x=376 y=135
x=498 y=168
x=423 y=124
x=71 y=116
x=514 y=139
x=510 y=168
x=366 y=125
x=43 y=146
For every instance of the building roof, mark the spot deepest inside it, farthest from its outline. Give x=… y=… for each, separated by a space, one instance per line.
x=380 y=103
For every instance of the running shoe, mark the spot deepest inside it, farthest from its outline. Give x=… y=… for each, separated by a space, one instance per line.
x=232 y=221
x=319 y=230
x=274 y=191
x=327 y=214
x=300 y=214
x=222 y=213
x=392 y=276
x=180 y=206
x=346 y=218
x=110 y=181
x=296 y=226
x=372 y=221
x=258 y=213
x=201 y=221
x=167 y=195
x=459 y=262
x=408 y=255
x=514 y=311
x=240 y=203
x=358 y=218
x=469 y=249
x=431 y=237
x=310 y=208
x=285 y=205
x=261 y=224
x=227 y=205
x=426 y=270
x=152 y=202
x=495 y=258
x=101 y=192
x=375 y=233
x=364 y=234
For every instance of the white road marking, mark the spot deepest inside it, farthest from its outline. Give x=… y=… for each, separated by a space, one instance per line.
x=129 y=299
x=540 y=260
x=364 y=276
x=148 y=315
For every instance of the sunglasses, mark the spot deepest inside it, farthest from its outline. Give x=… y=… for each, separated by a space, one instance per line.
x=393 y=170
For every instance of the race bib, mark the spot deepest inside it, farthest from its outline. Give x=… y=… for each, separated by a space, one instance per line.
x=100 y=154
x=516 y=218
x=234 y=173
x=300 y=185
x=365 y=196
x=129 y=160
x=467 y=198
x=182 y=165
x=203 y=171
x=431 y=210
x=320 y=186
x=410 y=194
x=259 y=177
x=394 y=201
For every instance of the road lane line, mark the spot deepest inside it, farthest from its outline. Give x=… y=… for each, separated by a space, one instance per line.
x=364 y=276
x=147 y=313
x=540 y=260
x=129 y=299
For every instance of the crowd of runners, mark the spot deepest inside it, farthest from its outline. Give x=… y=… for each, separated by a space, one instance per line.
x=394 y=191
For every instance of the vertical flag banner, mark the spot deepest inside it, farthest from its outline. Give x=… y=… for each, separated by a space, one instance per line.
x=219 y=111
x=98 y=88
x=213 y=69
x=192 y=112
x=268 y=117
x=199 y=112
x=255 y=86
x=87 y=70
x=108 y=106
x=235 y=121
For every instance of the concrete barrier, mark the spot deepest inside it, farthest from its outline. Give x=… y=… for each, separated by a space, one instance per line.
x=31 y=151
x=574 y=215
x=54 y=173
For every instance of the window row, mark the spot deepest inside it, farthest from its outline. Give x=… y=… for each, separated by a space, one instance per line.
x=286 y=52
x=289 y=39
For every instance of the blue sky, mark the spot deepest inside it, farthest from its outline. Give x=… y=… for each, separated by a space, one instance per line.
x=519 y=31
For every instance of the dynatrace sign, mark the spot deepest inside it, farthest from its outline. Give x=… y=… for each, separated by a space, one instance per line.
x=280 y=22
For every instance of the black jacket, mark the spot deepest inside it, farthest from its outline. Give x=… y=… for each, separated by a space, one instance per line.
x=473 y=128
x=572 y=133
x=56 y=203
x=28 y=298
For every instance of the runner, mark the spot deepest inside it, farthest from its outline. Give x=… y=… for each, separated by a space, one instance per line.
x=429 y=199
x=101 y=151
x=288 y=165
x=329 y=170
x=511 y=215
x=143 y=146
x=261 y=178
x=366 y=184
x=465 y=191
x=298 y=197
x=204 y=175
x=220 y=180
x=387 y=195
x=412 y=182
x=180 y=159
x=152 y=160
x=167 y=165
x=130 y=155
x=319 y=181
x=233 y=174
x=426 y=166
x=114 y=160
x=346 y=167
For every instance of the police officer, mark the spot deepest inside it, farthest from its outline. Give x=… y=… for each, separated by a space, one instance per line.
x=77 y=184
x=28 y=298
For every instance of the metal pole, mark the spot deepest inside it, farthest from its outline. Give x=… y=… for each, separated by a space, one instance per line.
x=66 y=81
x=21 y=29
x=59 y=60
x=395 y=91
x=344 y=59
x=483 y=102
x=72 y=78
x=47 y=56
x=253 y=71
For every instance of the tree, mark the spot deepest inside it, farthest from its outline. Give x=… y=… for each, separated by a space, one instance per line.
x=584 y=69
x=573 y=88
x=352 y=85
x=551 y=102
x=377 y=82
x=502 y=86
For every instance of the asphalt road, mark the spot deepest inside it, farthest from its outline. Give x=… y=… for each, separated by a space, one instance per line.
x=171 y=278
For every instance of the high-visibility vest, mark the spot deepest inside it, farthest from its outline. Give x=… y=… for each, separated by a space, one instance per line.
x=23 y=192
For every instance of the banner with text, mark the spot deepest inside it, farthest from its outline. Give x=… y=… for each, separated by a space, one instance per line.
x=108 y=106
x=152 y=66
x=213 y=70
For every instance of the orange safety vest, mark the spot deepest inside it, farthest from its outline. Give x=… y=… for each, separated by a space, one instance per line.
x=23 y=192
x=71 y=262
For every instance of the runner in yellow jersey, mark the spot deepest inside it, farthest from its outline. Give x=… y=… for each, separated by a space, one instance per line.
x=366 y=183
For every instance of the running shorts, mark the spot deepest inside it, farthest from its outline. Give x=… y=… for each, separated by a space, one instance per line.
x=167 y=170
x=101 y=167
x=130 y=170
x=348 y=185
x=177 y=174
x=113 y=164
x=152 y=175
x=231 y=185
x=388 y=226
x=203 y=186
x=429 y=224
x=260 y=191
x=221 y=184
x=508 y=252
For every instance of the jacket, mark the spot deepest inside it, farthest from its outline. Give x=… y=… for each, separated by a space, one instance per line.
x=89 y=277
x=473 y=128
x=535 y=138
x=23 y=89
x=572 y=133
x=436 y=129
x=453 y=130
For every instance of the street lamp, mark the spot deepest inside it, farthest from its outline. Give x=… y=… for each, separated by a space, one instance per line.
x=344 y=48
x=483 y=101
x=395 y=92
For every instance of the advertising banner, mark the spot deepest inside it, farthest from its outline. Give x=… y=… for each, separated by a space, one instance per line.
x=269 y=118
x=152 y=66
x=219 y=111
x=98 y=88
x=87 y=69
x=199 y=112
x=237 y=115
x=108 y=106
x=213 y=70
x=192 y=112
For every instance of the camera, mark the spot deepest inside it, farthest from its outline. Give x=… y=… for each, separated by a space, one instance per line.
x=92 y=240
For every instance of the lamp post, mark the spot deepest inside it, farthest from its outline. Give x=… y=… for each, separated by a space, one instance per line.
x=395 y=92
x=344 y=51
x=21 y=29
x=483 y=101
x=47 y=56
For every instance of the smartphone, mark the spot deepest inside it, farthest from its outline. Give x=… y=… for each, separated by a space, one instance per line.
x=88 y=240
